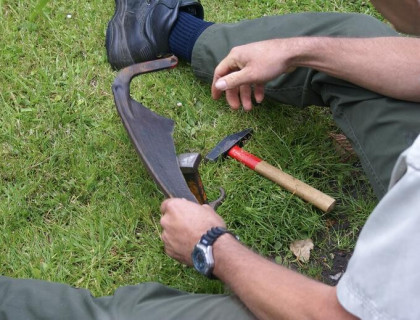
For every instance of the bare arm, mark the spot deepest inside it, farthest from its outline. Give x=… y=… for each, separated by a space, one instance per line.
x=390 y=66
x=387 y=65
x=403 y=14
x=271 y=291
x=267 y=289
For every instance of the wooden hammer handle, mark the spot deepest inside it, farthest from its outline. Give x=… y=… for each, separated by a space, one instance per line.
x=295 y=186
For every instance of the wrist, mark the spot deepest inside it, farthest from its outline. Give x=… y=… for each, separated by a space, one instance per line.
x=305 y=51
x=202 y=254
x=225 y=250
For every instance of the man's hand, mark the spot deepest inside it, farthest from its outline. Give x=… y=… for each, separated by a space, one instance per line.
x=248 y=68
x=183 y=223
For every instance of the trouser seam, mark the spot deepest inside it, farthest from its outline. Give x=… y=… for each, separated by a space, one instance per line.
x=362 y=154
x=297 y=88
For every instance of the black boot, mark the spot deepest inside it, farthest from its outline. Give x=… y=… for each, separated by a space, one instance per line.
x=139 y=30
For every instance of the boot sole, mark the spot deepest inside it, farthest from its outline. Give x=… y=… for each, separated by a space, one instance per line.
x=118 y=54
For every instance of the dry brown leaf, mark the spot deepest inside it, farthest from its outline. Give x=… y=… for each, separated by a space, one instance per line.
x=302 y=249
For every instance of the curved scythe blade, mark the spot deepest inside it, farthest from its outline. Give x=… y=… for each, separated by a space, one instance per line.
x=151 y=133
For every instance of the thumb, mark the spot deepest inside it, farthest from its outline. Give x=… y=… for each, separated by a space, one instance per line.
x=230 y=81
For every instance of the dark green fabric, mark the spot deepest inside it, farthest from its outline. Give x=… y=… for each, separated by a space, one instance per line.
x=380 y=128
x=40 y=300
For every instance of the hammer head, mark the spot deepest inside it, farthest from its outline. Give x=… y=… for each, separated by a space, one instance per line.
x=227 y=143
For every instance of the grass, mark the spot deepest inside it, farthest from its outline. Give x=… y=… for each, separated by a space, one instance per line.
x=76 y=204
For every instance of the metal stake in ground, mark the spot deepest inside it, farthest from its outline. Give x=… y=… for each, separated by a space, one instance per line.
x=231 y=146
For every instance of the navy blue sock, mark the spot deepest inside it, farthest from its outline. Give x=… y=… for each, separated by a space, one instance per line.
x=185 y=32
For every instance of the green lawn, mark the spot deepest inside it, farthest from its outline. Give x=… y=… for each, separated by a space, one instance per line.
x=76 y=204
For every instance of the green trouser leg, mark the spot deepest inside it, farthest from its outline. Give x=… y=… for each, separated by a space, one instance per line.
x=41 y=300
x=379 y=128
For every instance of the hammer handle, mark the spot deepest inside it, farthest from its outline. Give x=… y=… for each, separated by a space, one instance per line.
x=295 y=186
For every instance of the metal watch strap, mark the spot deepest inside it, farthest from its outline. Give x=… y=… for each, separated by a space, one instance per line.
x=213 y=234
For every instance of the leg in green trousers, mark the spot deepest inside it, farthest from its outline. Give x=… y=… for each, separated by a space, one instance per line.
x=380 y=128
x=41 y=300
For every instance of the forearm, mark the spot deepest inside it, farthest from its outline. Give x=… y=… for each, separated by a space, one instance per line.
x=389 y=65
x=271 y=291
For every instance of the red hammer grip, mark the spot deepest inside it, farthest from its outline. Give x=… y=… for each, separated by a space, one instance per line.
x=246 y=158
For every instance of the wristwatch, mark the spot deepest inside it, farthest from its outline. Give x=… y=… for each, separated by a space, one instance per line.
x=202 y=255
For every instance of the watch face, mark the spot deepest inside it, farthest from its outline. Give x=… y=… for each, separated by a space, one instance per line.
x=199 y=260
x=202 y=259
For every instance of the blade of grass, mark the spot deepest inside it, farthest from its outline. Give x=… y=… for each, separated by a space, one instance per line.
x=37 y=10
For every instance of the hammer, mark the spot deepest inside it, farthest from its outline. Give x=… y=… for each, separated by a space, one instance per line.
x=231 y=146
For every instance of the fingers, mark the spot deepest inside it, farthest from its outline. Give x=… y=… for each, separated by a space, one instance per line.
x=245 y=92
x=242 y=96
x=259 y=93
x=183 y=223
x=168 y=203
x=215 y=92
x=223 y=81
x=232 y=98
x=181 y=214
x=237 y=85
x=164 y=205
x=168 y=208
x=225 y=67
